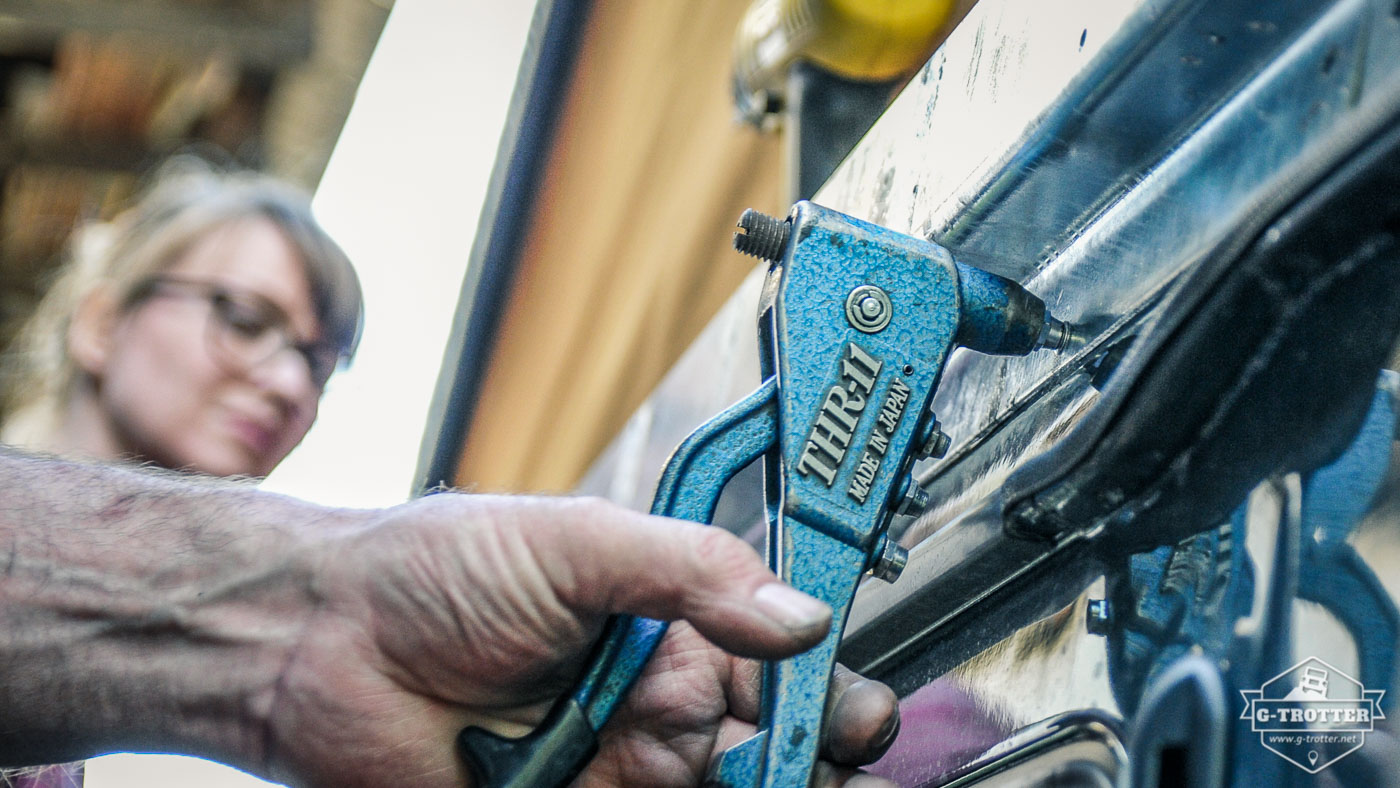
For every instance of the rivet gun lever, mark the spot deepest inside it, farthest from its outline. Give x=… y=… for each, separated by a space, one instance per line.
x=861 y=322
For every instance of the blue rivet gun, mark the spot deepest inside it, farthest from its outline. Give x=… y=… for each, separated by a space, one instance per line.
x=857 y=323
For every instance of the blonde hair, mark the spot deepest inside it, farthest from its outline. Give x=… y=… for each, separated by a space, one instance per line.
x=187 y=200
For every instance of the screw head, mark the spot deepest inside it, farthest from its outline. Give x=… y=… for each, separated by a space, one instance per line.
x=868 y=309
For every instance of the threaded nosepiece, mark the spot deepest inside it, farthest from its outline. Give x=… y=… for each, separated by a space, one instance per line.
x=1054 y=335
x=763 y=236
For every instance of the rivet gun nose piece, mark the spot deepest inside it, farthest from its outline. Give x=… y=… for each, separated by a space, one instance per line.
x=1054 y=335
x=763 y=236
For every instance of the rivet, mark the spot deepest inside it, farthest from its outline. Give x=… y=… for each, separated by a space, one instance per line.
x=868 y=309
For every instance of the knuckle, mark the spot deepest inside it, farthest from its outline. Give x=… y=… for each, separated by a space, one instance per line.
x=589 y=515
x=717 y=548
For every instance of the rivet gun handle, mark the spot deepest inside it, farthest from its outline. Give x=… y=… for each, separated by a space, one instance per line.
x=564 y=742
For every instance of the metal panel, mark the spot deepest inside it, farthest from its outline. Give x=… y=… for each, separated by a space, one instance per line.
x=1094 y=151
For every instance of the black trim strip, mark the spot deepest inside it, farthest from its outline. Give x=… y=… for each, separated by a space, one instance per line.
x=546 y=70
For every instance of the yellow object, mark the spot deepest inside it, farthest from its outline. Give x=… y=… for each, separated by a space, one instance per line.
x=873 y=39
x=869 y=40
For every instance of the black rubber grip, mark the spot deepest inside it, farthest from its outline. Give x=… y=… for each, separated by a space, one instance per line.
x=549 y=757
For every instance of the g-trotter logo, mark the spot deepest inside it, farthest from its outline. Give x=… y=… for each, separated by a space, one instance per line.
x=1312 y=714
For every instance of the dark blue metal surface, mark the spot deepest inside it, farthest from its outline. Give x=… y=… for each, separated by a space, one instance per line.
x=1201 y=586
x=1187 y=599
x=1331 y=572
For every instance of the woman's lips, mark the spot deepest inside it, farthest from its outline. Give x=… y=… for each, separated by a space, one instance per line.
x=258 y=436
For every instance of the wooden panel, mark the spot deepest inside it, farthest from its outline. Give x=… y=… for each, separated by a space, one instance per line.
x=628 y=254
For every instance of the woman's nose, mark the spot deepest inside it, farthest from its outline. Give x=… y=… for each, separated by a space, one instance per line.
x=284 y=375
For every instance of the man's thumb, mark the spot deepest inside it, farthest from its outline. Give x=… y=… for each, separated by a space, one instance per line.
x=606 y=559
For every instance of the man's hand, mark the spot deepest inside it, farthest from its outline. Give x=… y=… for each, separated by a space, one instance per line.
x=459 y=610
x=323 y=647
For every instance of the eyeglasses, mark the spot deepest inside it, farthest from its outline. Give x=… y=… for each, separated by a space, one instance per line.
x=245 y=329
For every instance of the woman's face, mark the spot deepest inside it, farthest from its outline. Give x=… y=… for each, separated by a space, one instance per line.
x=174 y=394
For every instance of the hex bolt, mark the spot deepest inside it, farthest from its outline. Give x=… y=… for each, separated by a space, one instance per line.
x=937 y=444
x=763 y=236
x=915 y=500
x=1098 y=617
x=891 y=562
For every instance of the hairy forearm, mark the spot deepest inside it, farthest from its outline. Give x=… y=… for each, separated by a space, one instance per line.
x=139 y=611
x=349 y=648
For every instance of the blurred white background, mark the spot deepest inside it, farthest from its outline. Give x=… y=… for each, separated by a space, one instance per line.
x=402 y=194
